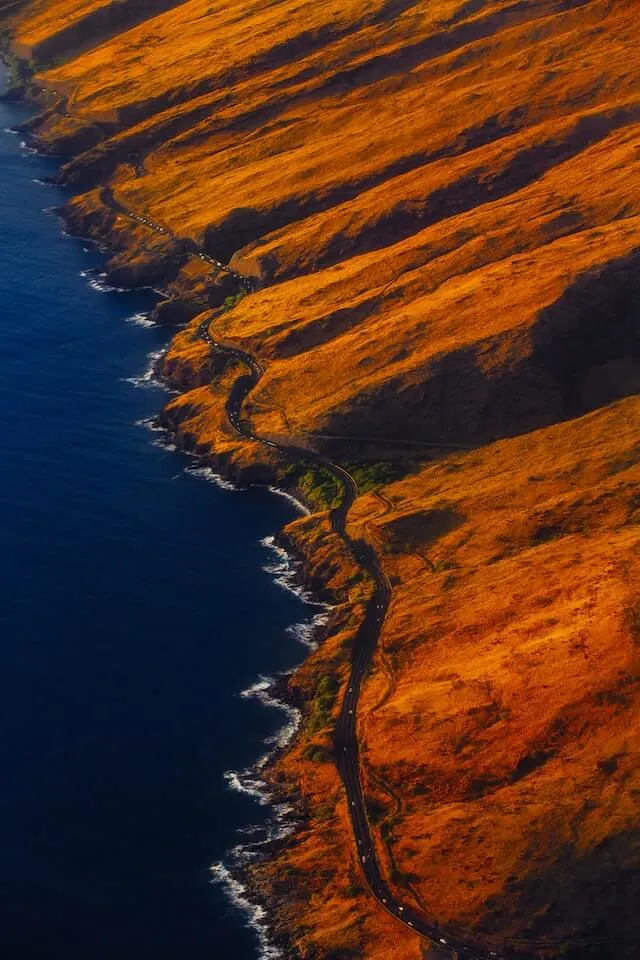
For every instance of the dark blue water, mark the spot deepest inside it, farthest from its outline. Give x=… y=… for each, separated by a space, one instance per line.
x=133 y=609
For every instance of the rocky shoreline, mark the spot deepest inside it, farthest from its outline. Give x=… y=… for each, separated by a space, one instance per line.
x=262 y=897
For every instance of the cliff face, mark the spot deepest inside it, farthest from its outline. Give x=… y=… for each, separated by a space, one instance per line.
x=440 y=206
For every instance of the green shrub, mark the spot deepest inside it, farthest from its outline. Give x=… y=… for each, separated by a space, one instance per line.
x=316 y=753
x=353 y=890
x=230 y=302
x=369 y=476
x=323 y=703
x=316 y=483
x=376 y=811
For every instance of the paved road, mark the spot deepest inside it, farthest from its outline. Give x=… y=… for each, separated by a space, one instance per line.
x=345 y=739
x=473 y=947
x=190 y=246
x=458 y=943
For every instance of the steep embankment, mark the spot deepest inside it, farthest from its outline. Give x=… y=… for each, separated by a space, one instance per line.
x=439 y=205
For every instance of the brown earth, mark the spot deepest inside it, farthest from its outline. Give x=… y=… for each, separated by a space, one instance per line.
x=440 y=205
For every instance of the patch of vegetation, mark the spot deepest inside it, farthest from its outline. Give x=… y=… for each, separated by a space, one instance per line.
x=389 y=825
x=370 y=476
x=443 y=564
x=316 y=753
x=353 y=890
x=323 y=703
x=316 y=483
x=376 y=811
x=20 y=72
x=325 y=812
x=233 y=300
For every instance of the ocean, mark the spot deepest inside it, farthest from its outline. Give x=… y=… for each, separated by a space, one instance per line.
x=138 y=600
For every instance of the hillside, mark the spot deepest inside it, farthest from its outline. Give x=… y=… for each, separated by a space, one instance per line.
x=438 y=208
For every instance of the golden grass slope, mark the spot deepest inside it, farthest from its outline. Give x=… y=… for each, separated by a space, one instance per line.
x=470 y=161
x=509 y=725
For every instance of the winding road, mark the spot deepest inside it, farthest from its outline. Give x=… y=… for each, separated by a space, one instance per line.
x=448 y=943
x=364 y=645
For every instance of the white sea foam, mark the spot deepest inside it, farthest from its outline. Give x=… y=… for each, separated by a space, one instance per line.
x=307 y=632
x=140 y=320
x=11 y=131
x=26 y=148
x=300 y=507
x=252 y=781
x=261 y=690
x=100 y=286
x=255 y=914
x=148 y=378
x=277 y=827
x=252 y=830
x=163 y=444
x=98 y=282
x=209 y=474
x=245 y=781
x=286 y=572
x=150 y=423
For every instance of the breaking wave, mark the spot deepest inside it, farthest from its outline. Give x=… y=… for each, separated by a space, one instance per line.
x=255 y=914
x=278 y=826
x=209 y=474
x=149 y=377
x=140 y=320
x=286 y=572
x=98 y=282
x=251 y=781
x=298 y=504
x=308 y=631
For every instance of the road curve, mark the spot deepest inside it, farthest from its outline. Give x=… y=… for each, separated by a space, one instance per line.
x=456 y=942
x=345 y=739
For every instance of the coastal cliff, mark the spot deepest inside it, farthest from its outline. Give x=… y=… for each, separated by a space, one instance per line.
x=437 y=210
